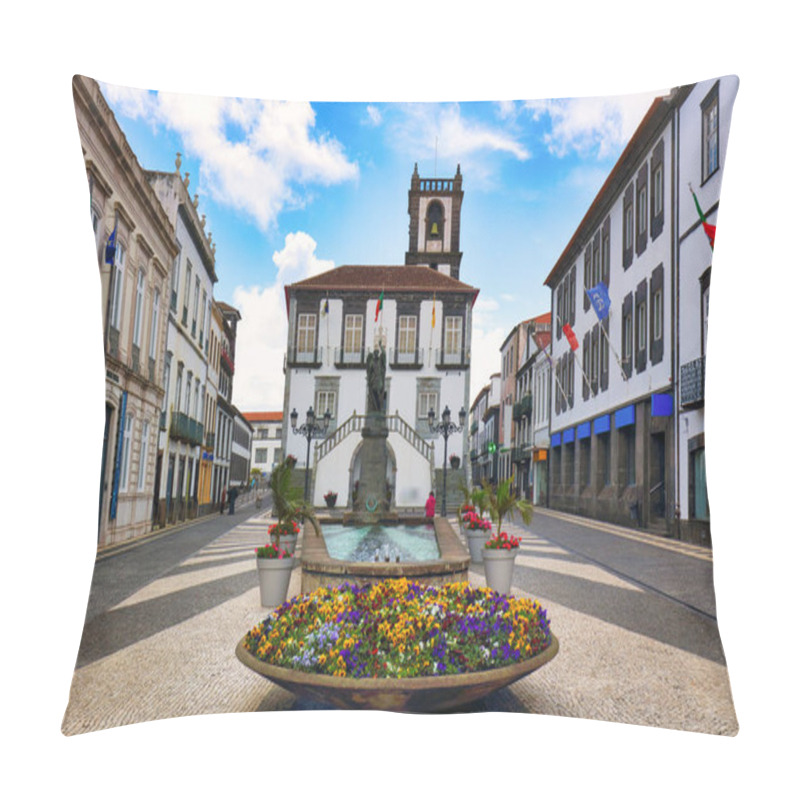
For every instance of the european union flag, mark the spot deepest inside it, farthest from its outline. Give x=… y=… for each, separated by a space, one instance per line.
x=600 y=300
x=111 y=247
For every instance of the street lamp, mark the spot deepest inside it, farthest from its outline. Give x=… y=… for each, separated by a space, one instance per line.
x=445 y=428
x=311 y=430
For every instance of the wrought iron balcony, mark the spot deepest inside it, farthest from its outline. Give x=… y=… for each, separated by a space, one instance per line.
x=185 y=429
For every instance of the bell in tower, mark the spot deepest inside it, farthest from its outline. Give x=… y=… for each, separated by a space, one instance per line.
x=434 y=209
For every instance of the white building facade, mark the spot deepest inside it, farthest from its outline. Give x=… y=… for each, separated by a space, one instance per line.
x=267 y=448
x=620 y=450
x=182 y=441
x=135 y=245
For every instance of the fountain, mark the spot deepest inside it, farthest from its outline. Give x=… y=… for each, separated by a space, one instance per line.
x=372 y=509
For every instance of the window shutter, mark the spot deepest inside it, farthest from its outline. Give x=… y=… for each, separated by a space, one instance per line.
x=641 y=234
x=559 y=309
x=627 y=311
x=586 y=366
x=571 y=377
x=571 y=295
x=605 y=258
x=604 y=360
x=657 y=220
x=656 y=341
x=595 y=347
x=641 y=354
x=627 y=247
x=587 y=276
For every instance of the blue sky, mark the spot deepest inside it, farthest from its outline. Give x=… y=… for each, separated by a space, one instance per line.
x=290 y=189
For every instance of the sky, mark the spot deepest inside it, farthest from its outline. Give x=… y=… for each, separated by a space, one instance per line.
x=291 y=189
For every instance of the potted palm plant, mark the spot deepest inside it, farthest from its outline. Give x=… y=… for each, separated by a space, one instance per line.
x=501 y=550
x=275 y=563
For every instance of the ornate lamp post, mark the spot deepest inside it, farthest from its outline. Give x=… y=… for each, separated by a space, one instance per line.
x=445 y=428
x=311 y=430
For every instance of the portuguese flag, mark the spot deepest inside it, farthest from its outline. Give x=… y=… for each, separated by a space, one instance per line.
x=379 y=307
x=711 y=230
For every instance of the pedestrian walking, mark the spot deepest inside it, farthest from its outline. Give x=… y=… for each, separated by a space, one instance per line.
x=430 y=506
x=232 y=494
x=222 y=502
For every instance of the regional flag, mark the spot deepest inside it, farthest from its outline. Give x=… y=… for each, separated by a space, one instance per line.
x=433 y=312
x=600 y=300
x=379 y=307
x=326 y=309
x=711 y=230
x=571 y=337
x=111 y=246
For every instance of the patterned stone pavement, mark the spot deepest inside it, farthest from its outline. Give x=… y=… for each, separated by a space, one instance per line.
x=133 y=665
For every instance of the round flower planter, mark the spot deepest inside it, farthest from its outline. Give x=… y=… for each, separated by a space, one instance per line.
x=331 y=501
x=498 y=565
x=273 y=579
x=476 y=539
x=287 y=542
x=416 y=695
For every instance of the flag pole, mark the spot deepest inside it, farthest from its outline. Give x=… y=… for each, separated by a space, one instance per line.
x=603 y=330
x=580 y=366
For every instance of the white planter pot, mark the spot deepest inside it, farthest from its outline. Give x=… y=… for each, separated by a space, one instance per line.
x=287 y=543
x=499 y=568
x=273 y=579
x=475 y=541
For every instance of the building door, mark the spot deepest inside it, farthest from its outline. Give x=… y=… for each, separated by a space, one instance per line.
x=658 y=473
x=170 y=479
x=104 y=461
x=159 y=457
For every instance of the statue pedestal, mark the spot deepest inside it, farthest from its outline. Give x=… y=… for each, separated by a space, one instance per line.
x=371 y=500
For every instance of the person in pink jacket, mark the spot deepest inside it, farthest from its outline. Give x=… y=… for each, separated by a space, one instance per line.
x=430 y=506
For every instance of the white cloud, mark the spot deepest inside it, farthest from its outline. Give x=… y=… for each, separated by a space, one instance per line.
x=591 y=125
x=256 y=156
x=423 y=128
x=261 y=334
x=374 y=115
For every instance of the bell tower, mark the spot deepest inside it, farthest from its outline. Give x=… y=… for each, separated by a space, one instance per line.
x=434 y=228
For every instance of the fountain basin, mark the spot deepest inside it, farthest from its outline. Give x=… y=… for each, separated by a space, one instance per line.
x=415 y=695
x=318 y=568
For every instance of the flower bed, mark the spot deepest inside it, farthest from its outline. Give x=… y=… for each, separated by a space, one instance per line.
x=400 y=629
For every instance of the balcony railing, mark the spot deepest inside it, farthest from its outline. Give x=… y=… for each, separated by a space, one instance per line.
x=343 y=358
x=303 y=358
x=693 y=380
x=405 y=359
x=185 y=429
x=519 y=454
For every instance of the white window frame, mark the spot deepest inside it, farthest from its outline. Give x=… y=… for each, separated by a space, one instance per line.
x=641 y=326
x=154 y=323
x=143 y=455
x=137 y=313
x=658 y=190
x=126 y=452
x=325 y=400
x=658 y=314
x=711 y=137
x=306 y=336
x=425 y=401
x=406 y=338
x=453 y=332
x=188 y=287
x=353 y=337
x=119 y=278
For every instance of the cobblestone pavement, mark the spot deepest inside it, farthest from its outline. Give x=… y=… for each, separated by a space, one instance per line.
x=167 y=650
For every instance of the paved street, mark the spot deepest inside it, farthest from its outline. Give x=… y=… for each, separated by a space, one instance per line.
x=637 y=644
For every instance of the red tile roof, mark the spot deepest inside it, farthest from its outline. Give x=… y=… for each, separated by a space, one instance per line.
x=263 y=416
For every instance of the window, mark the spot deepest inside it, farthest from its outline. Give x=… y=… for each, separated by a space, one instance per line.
x=203 y=317
x=178 y=387
x=188 y=398
x=452 y=339
x=705 y=287
x=154 y=323
x=173 y=300
x=658 y=314
x=326 y=401
x=594 y=360
x=627 y=228
x=699 y=499
x=137 y=312
x=658 y=190
x=641 y=210
x=125 y=460
x=641 y=326
x=407 y=338
x=196 y=303
x=427 y=401
x=353 y=336
x=118 y=275
x=261 y=455
x=627 y=339
x=143 y=455
x=306 y=336
x=187 y=289
x=710 y=143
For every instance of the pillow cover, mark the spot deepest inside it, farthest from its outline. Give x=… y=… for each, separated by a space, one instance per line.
x=583 y=393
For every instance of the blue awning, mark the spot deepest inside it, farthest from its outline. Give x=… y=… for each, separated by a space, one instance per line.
x=584 y=430
x=602 y=424
x=661 y=405
x=569 y=435
x=625 y=416
x=555 y=440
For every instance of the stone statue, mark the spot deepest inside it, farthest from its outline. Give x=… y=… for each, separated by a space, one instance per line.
x=376 y=380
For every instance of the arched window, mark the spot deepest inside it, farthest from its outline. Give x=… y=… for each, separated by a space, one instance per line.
x=435 y=220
